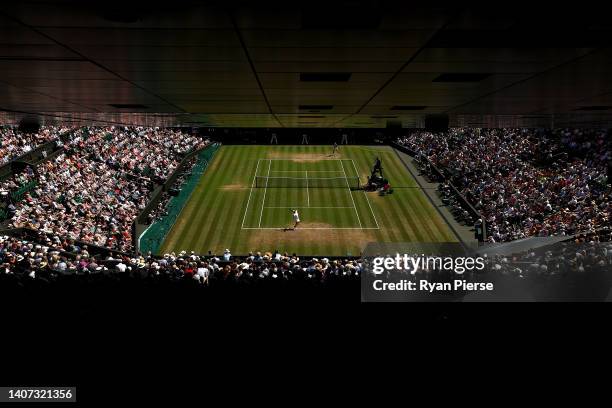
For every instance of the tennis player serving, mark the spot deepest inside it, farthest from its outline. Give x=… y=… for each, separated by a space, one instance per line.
x=296 y=218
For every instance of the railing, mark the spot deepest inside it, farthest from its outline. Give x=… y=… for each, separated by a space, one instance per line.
x=598 y=231
x=160 y=189
x=141 y=222
x=443 y=177
x=150 y=239
x=21 y=191
x=41 y=153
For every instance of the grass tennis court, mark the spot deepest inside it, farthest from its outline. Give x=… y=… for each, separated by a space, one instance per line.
x=244 y=200
x=322 y=190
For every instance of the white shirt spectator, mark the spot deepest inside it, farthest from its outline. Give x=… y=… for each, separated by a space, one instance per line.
x=202 y=273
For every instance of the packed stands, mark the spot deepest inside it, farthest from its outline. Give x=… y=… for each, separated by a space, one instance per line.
x=14 y=144
x=526 y=182
x=25 y=263
x=93 y=190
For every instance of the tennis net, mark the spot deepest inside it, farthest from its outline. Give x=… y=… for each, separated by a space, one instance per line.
x=307 y=182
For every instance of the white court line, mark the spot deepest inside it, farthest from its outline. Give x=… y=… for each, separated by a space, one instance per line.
x=366 y=195
x=351 y=194
x=263 y=204
x=300 y=160
x=307 y=193
x=302 y=178
x=297 y=206
x=312 y=171
x=249 y=200
x=307 y=228
x=381 y=150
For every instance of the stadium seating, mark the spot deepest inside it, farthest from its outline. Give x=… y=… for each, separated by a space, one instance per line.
x=14 y=144
x=526 y=182
x=94 y=189
x=25 y=263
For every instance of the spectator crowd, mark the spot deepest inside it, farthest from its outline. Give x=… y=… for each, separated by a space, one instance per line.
x=23 y=263
x=14 y=144
x=526 y=182
x=94 y=189
x=153 y=153
x=586 y=253
x=46 y=260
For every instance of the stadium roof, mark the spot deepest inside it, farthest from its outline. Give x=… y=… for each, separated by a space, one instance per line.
x=355 y=64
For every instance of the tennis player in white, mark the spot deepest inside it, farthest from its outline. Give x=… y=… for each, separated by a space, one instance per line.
x=296 y=218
